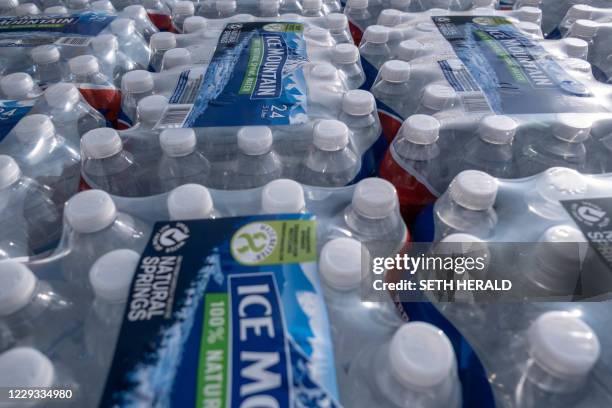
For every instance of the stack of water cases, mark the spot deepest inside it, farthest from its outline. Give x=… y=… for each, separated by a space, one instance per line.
x=192 y=195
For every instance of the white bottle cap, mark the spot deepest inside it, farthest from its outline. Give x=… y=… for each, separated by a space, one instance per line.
x=194 y=23
x=163 y=41
x=559 y=264
x=395 y=71
x=317 y=34
x=269 y=5
x=45 y=54
x=56 y=10
x=336 y=21
x=324 y=72
x=90 y=211
x=461 y=243
x=340 y=263
x=376 y=34
x=8 y=4
x=225 y=6
x=563 y=344
x=410 y=49
x=9 y=171
x=282 y=196
x=190 y=202
x=137 y=81
x=178 y=142
x=572 y=128
x=345 y=54
x=26 y=9
x=580 y=12
x=421 y=129
x=575 y=47
x=584 y=29
x=26 y=367
x=312 y=4
x=101 y=143
x=330 y=135
x=358 y=103
x=111 y=275
x=151 y=108
x=530 y=14
x=389 y=18
x=375 y=198
x=184 y=8
x=176 y=57
x=104 y=43
x=559 y=183
x=474 y=190
x=421 y=356
x=135 y=12
x=497 y=129
x=530 y=28
x=437 y=96
x=84 y=65
x=62 y=95
x=17 y=285
x=17 y=85
x=103 y=5
x=34 y=127
x=357 y=4
x=255 y=140
x=123 y=27
x=578 y=64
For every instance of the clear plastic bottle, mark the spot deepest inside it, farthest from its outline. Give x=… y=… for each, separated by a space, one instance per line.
x=135 y=85
x=93 y=228
x=373 y=218
x=190 y=202
x=269 y=8
x=338 y=27
x=562 y=352
x=138 y=14
x=181 y=162
x=331 y=161
x=27 y=9
x=291 y=6
x=19 y=86
x=437 y=98
x=492 y=151
x=389 y=18
x=160 y=43
x=149 y=110
x=8 y=7
x=312 y=8
x=358 y=13
x=34 y=313
x=526 y=3
x=283 y=196
x=374 y=46
x=467 y=206
x=106 y=165
x=392 y=85
x=257 y=163
x=360 y=115
x=103 y=5
x=346 y=58
x=71 y=115
x=418 y=365
x=225 y=8
x=182 y=10
x=48 y=69
x=114 y=63
x=176 y=58
x=85 y=69
x=131 y=42
x=355 y=324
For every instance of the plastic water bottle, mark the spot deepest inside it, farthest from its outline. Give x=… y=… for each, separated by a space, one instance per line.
x=35 y=314
x=414 y=151
x=584 y=30
x=492 y=152
x=93 y=228
x=526 y=3
x=392 y=85
x=71 y=115
x=346 y=58
x=338 y=27
x=437 y=98
x=106 y=165
x=373 y=218
x=113 y=63
x=374 y=46
x=181 y=11
x=85 y=69
x=563 y=350
x=48 y=68
x=131 y=42
x=149 y=111
x=181 y=162
x=135 y=85
x=29 y=218
x=160 y=43
x=283 y=196
x=257 y=162
x=27 y=9
x=176 y=58
x=330 y=162
x=103 y=5
x=138 y=14
x=291 y=6
x=269 y=8
x=19 y=86
x=312 y=8
x=225 y=8
x=8 y=7
x=467 y=206
x=560 y=145
x=418 y=365
x=360 y=115
x=193 y=24
x=191 y=202
x=355 y=325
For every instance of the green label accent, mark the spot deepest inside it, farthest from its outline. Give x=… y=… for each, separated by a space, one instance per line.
x=294 y=27
x=250 y=76
x=275 y=242
x=212 y=368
